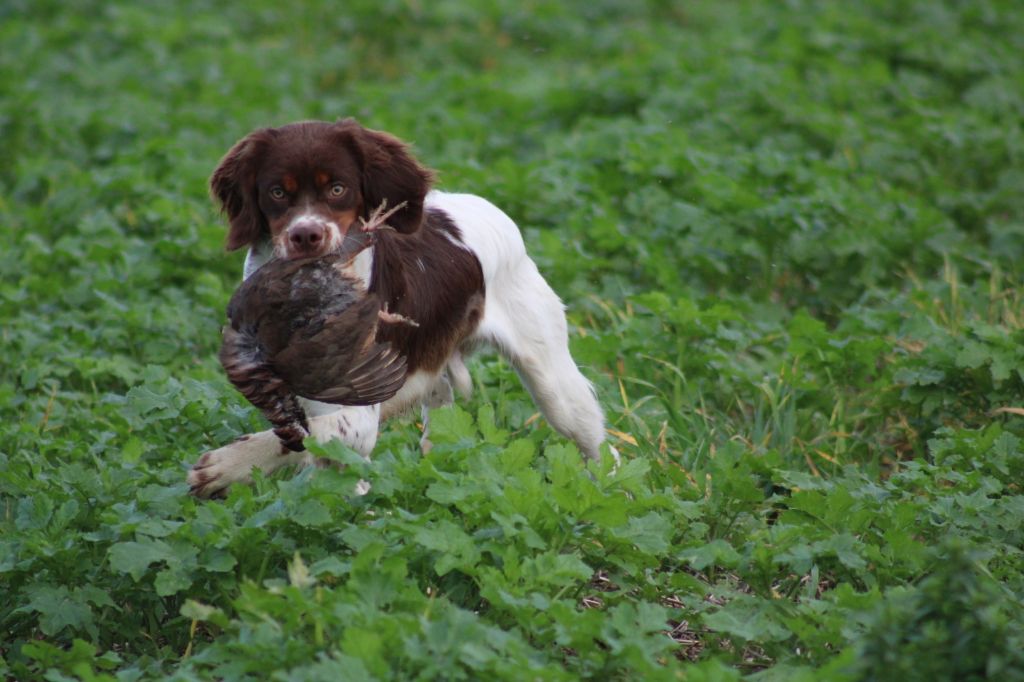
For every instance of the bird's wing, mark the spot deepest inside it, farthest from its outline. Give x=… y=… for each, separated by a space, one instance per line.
x=342 y=363
x=379 y=376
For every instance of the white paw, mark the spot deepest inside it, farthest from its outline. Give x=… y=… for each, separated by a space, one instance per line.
x=217 y=469
x=209 y=476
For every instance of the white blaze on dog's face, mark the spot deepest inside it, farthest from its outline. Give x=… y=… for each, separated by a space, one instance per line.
x=307 y=217
x=308 y=193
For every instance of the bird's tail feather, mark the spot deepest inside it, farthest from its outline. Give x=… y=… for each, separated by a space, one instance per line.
x=254 y=377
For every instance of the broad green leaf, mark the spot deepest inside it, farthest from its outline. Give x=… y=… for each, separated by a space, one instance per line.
x=747 y=619
x=973 y=354
x=715 y=553
x=490 y=432
x=310 y=513
x=134 y=558
x=450 y=425
x=651 y=533
x=58 y=608
x=172 y=580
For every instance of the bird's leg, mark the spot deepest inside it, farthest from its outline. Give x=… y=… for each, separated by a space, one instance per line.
x=378 y=217
x=357 y=241
x=395 y=318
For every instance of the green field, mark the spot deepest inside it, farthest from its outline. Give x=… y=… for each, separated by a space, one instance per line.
x=790 y=236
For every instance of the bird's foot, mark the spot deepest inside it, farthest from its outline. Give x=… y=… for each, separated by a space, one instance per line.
x=378 y=217
x=395 y=318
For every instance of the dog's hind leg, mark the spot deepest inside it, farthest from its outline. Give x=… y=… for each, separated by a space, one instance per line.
x=525 y=319
x=440 y=395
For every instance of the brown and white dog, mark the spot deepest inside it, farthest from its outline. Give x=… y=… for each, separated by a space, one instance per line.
x=455 y=264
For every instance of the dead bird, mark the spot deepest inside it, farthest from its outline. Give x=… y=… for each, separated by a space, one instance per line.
x=305 y=328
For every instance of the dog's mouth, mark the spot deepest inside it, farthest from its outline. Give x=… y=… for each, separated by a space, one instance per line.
x=313 y=237
x=308 y=236
x=348 y=244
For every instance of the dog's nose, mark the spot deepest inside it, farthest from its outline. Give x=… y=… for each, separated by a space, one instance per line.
x=306 y=237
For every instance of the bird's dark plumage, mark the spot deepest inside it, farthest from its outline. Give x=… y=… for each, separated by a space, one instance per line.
x=303 y=328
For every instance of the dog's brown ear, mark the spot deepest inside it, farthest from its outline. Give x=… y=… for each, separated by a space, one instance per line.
x=233 y=184
x=389 y=173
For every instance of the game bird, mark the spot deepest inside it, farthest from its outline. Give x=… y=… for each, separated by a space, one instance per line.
x=305 y=328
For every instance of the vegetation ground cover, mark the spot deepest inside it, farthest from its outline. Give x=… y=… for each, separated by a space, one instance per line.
x=789 y=236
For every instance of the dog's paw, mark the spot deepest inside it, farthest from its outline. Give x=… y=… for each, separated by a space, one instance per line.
x=216 y=470
x=211 y=475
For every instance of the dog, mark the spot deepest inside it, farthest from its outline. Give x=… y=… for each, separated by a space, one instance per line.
x=454 y=263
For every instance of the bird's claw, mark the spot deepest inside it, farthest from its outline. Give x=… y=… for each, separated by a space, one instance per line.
x=395 y=318
x=378 y=217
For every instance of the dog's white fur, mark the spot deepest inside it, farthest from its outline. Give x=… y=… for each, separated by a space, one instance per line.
x=523 y=318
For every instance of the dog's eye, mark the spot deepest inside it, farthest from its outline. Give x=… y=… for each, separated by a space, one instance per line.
x=277 y=192
x=336 y=190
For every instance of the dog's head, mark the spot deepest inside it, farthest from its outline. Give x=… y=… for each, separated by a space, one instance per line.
x=305 y=185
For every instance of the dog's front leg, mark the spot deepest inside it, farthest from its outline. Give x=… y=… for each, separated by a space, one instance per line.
x=233 y=463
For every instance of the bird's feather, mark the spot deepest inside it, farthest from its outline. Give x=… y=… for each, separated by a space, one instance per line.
x=303 y=328
x=354 y=370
